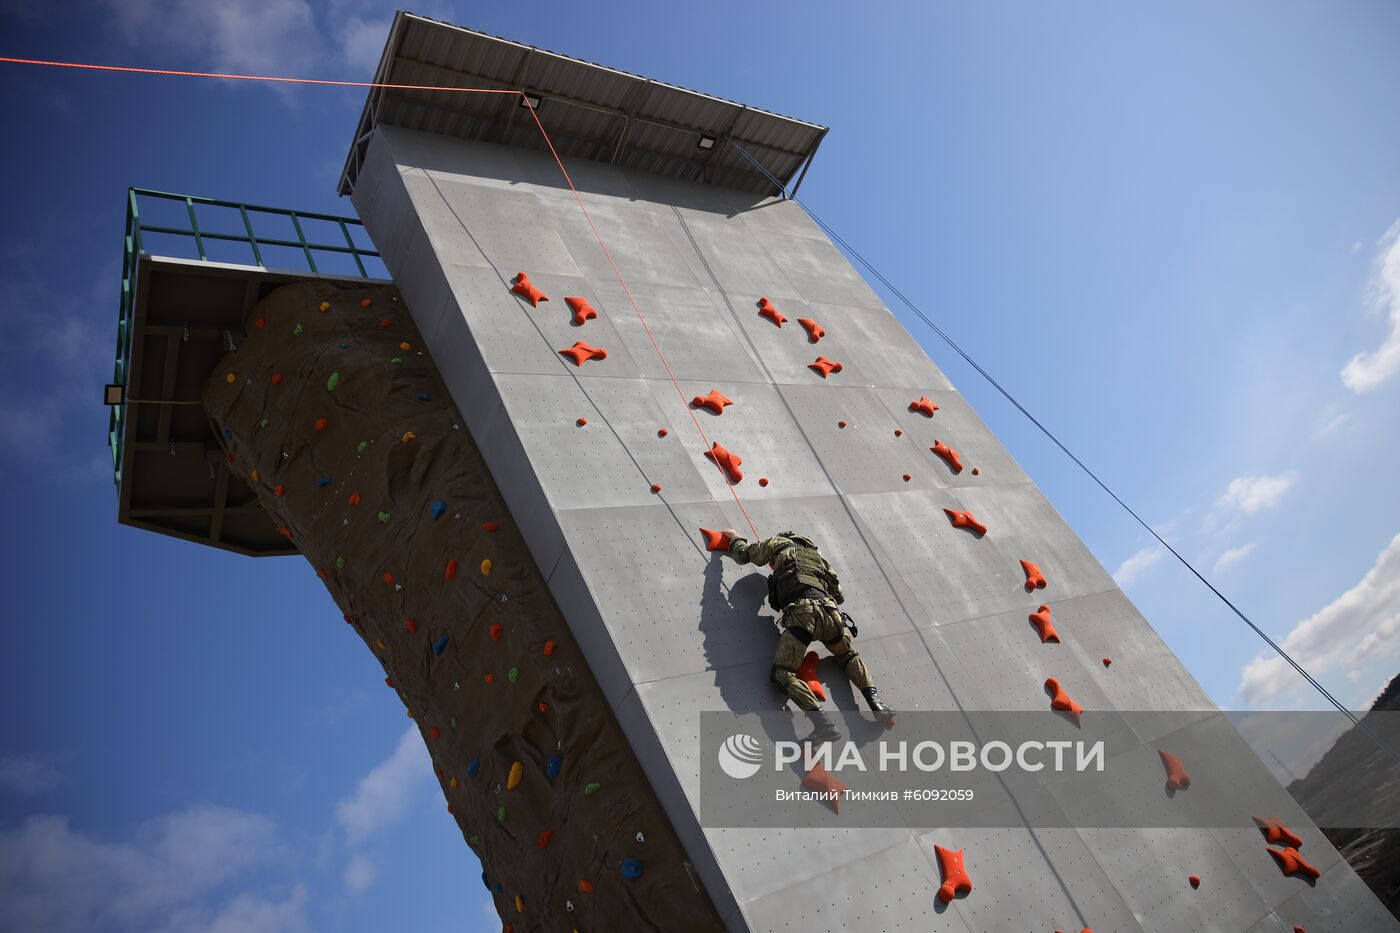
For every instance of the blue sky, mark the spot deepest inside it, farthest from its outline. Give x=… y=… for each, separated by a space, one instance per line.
x=1172 y=233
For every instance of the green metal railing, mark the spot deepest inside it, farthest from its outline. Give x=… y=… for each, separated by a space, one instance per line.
x=134 y=247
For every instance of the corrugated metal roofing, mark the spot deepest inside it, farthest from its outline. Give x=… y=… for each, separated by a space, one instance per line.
x=591 y=111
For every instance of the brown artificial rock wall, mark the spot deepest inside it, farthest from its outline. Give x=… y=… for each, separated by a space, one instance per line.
x=333 y=411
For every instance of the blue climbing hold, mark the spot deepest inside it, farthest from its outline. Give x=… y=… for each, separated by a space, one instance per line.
x=323 y=481
x=344 y=346
x=631 y=868
x=473 y=767
x=228 y=432
x=438 y=508
x=425 y=397
x=551 y=768
x=485 y=882
x=497 y=888
x=439 y=645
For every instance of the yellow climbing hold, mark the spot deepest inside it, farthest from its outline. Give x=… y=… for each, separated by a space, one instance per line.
x=519 y=905
x=486 y=567
x=405 y=346
x=256 y=476
x=408 y=436
x=381 y=643
x=325 y=306
x=408 y=713
x=452 y=784
x=517 y=771
x=230 y=378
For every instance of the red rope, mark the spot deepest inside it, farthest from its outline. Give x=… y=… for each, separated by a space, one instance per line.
x=623 y=282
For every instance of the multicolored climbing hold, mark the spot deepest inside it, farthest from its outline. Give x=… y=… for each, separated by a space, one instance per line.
x=955 y=877
x=1035 y=580
x=527 y=290
x=813 y=329
x=965 y=520
x=726 y=460
x=766 y=309
x=1276 y=833
x=923 y=406
x=715 y=402
x=1043 y=626
x=590 y=789
x=716 y=540
x=517 y=771
x=825 y=367
x=333 y=381
x=583 y=311
x=1177 y=778
x=949 y=455
x=581 y=352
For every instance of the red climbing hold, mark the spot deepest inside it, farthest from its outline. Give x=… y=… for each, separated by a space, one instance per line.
x=279 y=490
x=496 y=631
x=1041 y=620
x=965 y=520
x=284 y=530
x=355 y=498
x=549 y=647
x=1060 y=701
x=276 y=378
x=449 y=571
x=260 y=323
x=583 y=311
x=955 y=877
x=976 y=472
x=907 y=477
x=824 y=366
x=581 y=351
x=585 y=886
x=1177 y=778
x=726 y=461
x=813 y=329
x=655 y=487
x=543 y=841
x=321 y=424
x=489 y=526
x=662 y=433
x=840 y=424
x=830 y=788
x=388 y=578
x=1298 y=928
x=949 y=455
x=526 y=289
x=763 y=481
x=581 y=422
x=1107 y=662
x=365 y=302
x=1290 y=862
x=542 y=707
x=766 y=309
x=1278 y=834
x=1194 y=881
x=434 y=733
x=389 y=682
x=489 y=678
x=384 y=323
x=714 y=402
x=808 y=672
x=898 y=432
x=923 y=406
x=1035 y=580
x=716 y=540
x=411 y=626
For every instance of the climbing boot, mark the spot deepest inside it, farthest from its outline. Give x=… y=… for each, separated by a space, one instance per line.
x=877 y=706
x=824 y=729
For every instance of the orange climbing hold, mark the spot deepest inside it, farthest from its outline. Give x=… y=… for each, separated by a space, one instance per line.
x=1275 y=833
x=655 y=487
x=581 y=422
x=543 y=841
x=322 y=424
x=279 y=490
x=813 y=329
x=489 y=678
x=384 y=323
x=714 y=402
x=716 y=540
x=1290 y=862
x=581 y=351
x=411 y=626
x=766 y=309
x=355 y=498
x=1107 y=662
x=955 y=877
x=965 y=520
x=949 y=455
x=388 y=578
x=726 y=461
x=825 y=367
x=364 y=303
x=449 y=571
x=583 y=311
x=1041 y=620
x=527 y=290
x=585 y=886
x=662 y=433
x=821 y=781
x=923 y=406
x=808 y=672
x=1177 y=778
x=1035 y=580
x=549 y=647
x=496 y=631
x=1060 y=701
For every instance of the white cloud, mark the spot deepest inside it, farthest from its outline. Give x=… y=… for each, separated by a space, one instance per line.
x=359 y=874
x=247 y=913
x=1370 y=369
x=1132 y=569
x=56 y=879
x=25 y=774
x=1336 y=425
x=1360 y=627
x=1249 y=495
x=383 y=796
x=1233 y=556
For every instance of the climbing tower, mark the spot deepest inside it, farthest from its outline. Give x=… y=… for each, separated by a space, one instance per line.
x=605 y=335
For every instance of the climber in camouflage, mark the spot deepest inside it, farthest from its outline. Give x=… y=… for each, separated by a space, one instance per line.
x=805 y=589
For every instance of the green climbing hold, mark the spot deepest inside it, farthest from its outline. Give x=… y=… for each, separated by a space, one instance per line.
x=454 y=722
x=384 y=517
x=501 y=814
x=514 y=674
x=361 y=447
x=262 y=423
x=473 y=840
x=297 y=331
x=397 y=359
x=339 y=562
x=592 y=789
x=332 y=382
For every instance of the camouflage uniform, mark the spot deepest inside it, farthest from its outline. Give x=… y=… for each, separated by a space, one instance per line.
x=810 y=616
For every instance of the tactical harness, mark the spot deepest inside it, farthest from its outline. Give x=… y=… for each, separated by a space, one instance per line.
x=799 y=571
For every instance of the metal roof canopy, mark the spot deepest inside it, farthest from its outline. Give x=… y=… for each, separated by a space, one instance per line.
x=591 y=111
x=175 y=479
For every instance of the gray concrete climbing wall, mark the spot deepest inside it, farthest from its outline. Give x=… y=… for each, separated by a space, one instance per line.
x=668 y=631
